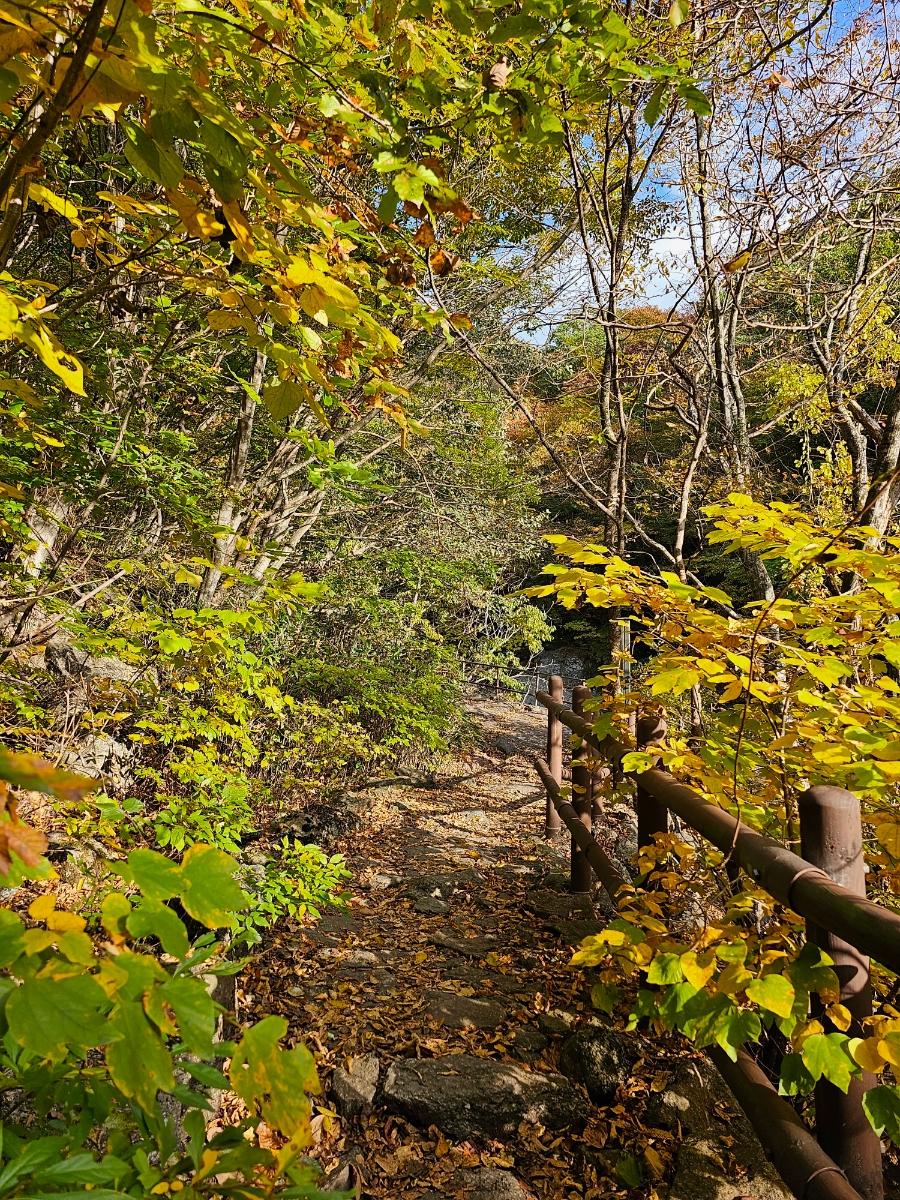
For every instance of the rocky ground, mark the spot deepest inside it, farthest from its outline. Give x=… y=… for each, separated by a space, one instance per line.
x=460 y=1054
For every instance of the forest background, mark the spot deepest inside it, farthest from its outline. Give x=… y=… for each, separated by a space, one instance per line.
x=316 y=319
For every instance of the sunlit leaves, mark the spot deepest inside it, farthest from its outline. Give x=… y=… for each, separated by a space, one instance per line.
x=882 y=1107
x=48 y=1015
x=278 y=1080
x=826 y=1054
x=775 y=993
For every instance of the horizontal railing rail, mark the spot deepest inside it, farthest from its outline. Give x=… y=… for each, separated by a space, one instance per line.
x=829 y=893
x=790 y=879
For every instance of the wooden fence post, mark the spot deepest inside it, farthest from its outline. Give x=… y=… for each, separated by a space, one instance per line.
x=652 y=814
x=831 y=839
x=581 y=797
x=552 y=824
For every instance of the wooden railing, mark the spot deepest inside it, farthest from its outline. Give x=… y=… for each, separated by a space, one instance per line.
x=826 y=885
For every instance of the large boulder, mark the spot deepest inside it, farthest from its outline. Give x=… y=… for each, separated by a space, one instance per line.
x=462 y=1094
x=72 y=665
x=720 y=1156
x=699 y=1173
x=599 y=1057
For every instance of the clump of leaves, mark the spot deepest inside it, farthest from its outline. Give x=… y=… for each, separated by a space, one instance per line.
x=301 y=880
x=95 y=1027
x=799 y=690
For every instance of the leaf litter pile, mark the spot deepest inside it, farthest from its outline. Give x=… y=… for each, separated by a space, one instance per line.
x=361 y=981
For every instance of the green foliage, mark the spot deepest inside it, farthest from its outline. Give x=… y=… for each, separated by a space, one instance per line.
x=301 y=880
x=95 y=1028
x=799 y=691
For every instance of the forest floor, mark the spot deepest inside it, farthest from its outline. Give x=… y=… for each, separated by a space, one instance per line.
x=457 y=941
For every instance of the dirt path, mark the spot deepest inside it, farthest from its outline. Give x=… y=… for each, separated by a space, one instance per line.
x=455 y=951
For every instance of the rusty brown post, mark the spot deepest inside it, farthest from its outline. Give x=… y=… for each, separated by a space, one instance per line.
x=652 y=814
x=581 y=796
x=831 y=839
x=552 y=823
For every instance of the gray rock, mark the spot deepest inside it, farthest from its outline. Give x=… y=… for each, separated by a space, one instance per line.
x=599 y=1057
x=694 y=1091
x=556 y=881
x=547 y=903
x=699 y=1174
x=473 y=947
x=557 y=1021
x=461 y=1094
x=99 y=754
x=70 y=664
x=699 y=1101
x=381 y=882
x=464 y=1012
x=529 y=1044
x=481 y=1183
x=430 y=906
x=574 y=932
x=443 y=886
x=354 y=1090
x=361 y=958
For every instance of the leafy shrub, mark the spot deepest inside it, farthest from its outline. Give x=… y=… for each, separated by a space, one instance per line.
x=94 y=1030
x=303 y=880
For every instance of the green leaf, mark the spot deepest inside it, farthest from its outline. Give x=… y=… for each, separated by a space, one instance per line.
x=31 y=1158
x=114 y=912
x=795 y=1079
x=149 y=159
x=171 y=642
x=654 y=105
x=225 y=149
x=605 y=996
x=157 y=876
x=154 y=919
x=209 y=891
x=283 y=399
x=277 y=1079
x=76 y=947
x=629 y=1170
x=12 y=933
x=194 y=1010
x=82 y=1168
x=47 y=1016
x=882 y=1106
x=672 y=1003
x=826 y=1054
x=679 y=11
x=665 y=968
x=139 y=1063
x=205 y=1074
x=695 y=99
x=775 y=993
x=812 y=969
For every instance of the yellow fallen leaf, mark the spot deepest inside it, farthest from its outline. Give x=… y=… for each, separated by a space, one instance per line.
x=41 y=908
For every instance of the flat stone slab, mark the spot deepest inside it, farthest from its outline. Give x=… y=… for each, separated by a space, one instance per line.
x=431 y=906
x=472 y=947
x=481 y=1183
x=462 y=1094
x=464 y=1012
x=574 y=932
x=547 y=903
